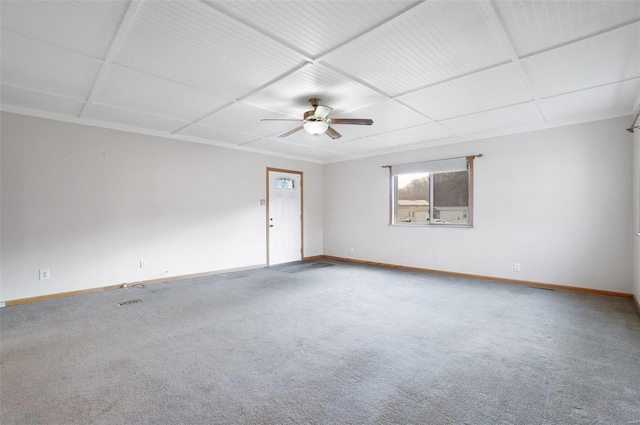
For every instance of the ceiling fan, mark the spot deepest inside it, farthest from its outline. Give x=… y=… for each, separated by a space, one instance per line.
x=317 y=121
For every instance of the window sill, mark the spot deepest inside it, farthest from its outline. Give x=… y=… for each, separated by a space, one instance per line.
x=463 y=226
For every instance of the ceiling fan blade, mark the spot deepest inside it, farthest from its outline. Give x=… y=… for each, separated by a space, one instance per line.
x=356 y=121
x=332 y=133
x=279 y=119
x=322 y=111
x=291 y=132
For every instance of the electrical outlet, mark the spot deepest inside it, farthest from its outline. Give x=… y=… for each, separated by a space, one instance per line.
x=143 y=264
x=45 y=274
x=350 y=250
x=516 y=267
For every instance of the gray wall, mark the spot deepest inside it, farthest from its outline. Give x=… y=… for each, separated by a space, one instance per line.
x=556 y=201
x=89 y=203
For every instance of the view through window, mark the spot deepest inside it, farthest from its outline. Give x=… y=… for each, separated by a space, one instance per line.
x=429 y=197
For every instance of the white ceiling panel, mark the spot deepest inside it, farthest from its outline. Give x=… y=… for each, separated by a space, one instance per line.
x=361 y=146
x=602 y=59
x=534 y=26
x=190 y=42
x=418 y=134
x=437 y=41
x=387 y=116
x=33 y=65
x=296 y=150
x=511 y=118
x=350 y=131
x=40 y=101
x=426 y=72
x=217 y=134
x=131 y=118
x=291 y=94
x=83 y=27
x=489 y=89
x=128 y=89
x=246 y=119
x=610 y=100
x=314 y=27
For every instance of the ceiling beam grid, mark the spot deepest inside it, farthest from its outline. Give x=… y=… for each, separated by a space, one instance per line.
x=116 y=44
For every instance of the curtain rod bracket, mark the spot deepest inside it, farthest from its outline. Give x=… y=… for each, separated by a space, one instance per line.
x=635 y=120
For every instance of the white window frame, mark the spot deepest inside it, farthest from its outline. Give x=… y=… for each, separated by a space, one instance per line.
x=430 y=167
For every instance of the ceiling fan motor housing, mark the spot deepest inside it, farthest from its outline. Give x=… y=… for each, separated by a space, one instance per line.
x=309 y=116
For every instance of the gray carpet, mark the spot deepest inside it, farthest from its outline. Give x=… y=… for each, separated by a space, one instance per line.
x=348 y=344
x=301 y=266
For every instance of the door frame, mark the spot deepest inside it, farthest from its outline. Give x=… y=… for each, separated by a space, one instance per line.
x=301 y=174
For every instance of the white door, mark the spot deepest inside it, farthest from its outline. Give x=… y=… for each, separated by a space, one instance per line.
x=285 y=217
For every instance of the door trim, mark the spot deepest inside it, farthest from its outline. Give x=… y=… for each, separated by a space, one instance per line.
x=301 y=174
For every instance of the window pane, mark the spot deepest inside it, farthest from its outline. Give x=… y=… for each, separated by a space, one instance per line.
x=412 y=198
x=284 y=183
x=451 y=198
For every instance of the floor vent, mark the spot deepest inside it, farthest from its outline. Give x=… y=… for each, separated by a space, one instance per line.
x=232 y=275
x=300 y=266
x=130 y=302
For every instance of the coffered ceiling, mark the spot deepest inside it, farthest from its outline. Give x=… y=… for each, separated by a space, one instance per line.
x=426 y=72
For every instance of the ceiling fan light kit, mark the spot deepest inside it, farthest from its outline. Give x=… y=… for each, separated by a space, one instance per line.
x=316 y=127
x=317 y=121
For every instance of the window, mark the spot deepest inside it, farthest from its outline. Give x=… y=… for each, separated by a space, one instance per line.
x=285 y=183
x=432 y=193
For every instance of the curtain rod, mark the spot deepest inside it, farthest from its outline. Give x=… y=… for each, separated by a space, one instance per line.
x=478 y=155
x=633 y=124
